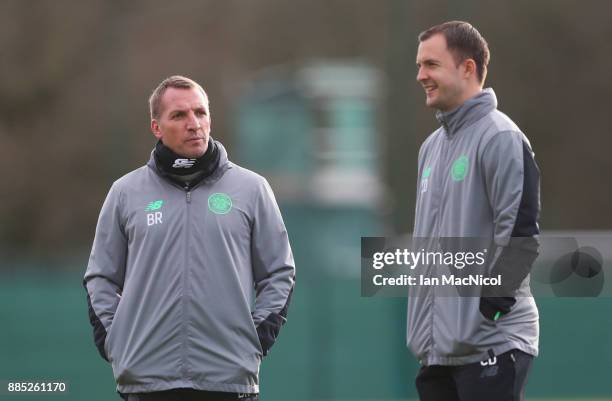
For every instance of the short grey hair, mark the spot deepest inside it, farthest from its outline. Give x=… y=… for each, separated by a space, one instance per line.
x=175 y=81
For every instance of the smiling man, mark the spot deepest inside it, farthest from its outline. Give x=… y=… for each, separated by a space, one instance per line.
x=478 y=179
x=191 y=271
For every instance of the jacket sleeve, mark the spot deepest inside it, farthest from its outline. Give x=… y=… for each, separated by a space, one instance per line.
x=273 y=268
x=512 y=181
x=105 y=273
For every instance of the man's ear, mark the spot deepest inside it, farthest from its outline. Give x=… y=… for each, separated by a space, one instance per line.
x=469 y=67
x=155 y=129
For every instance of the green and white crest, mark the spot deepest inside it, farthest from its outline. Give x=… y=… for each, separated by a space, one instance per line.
x=460 y=168
x=219 y=203
x=426 y=172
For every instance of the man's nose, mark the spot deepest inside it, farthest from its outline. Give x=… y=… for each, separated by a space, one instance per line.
x=192 y=122
x=421 y=75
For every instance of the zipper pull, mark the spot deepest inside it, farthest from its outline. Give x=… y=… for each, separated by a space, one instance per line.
x=188 y=193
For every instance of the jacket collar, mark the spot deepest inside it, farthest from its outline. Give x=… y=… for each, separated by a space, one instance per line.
x=224 y=165
x=469 y=112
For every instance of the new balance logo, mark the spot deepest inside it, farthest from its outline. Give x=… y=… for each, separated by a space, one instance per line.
x=184 y=163
x=154 y=205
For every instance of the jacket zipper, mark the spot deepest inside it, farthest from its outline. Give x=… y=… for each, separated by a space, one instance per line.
x=442 y=177
x=186 y=281
x=442 y=181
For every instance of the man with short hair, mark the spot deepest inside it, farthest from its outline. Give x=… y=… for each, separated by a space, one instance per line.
x=478 y=179
x=191 y=271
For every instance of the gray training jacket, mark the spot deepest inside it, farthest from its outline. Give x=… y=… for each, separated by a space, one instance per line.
x=180 y=283
x=477 y=179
